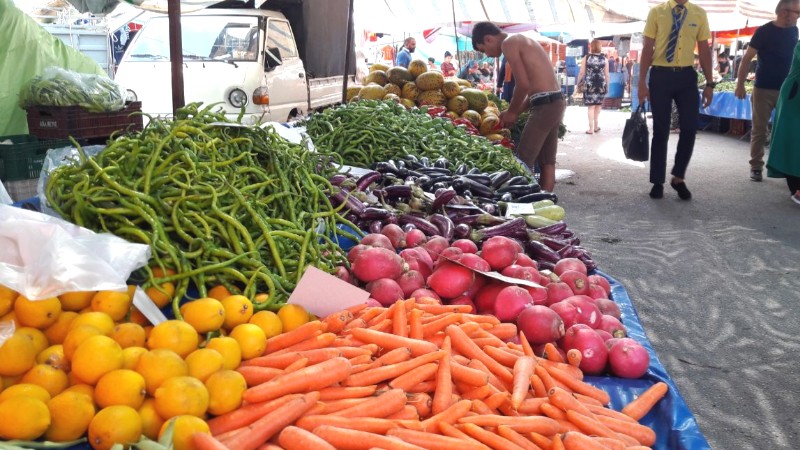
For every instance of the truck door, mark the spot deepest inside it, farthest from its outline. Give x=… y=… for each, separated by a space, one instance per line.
x=286 y=83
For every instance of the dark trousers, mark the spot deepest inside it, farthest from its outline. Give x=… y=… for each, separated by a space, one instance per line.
x=793 y=183
x=667 y=86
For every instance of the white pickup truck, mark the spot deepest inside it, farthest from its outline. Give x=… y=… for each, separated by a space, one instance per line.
x=237 y=57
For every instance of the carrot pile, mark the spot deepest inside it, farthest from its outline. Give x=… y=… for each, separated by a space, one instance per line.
x=419 y=375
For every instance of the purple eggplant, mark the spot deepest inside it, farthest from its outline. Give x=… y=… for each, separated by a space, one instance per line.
x=541 y=252
x=353 y=204
x=408 y=227
x=443 y=199
x=553 y=230
x=481 y=219
x=546 y=265
x=385 y=167
x=462 y=231
x=375 y=214
x=444 y=224
x=422 y=224
x=375 y=226
x=555 y=244
x=396 y=192
x=367 y=179
x=337 y=179
x=509 y=228
x=567 y=252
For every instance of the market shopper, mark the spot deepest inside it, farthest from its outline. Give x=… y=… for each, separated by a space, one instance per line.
x=784 y=154
x=448 y=69
x=535 y=88
x=404 y=55
x=670 y=34
x=773 y=43
x=594 y=78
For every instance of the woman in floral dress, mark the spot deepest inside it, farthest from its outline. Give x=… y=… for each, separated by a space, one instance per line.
x=594 y=79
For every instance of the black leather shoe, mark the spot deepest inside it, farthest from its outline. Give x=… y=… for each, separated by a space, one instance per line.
x=657 y=191
x=683 y=191
x=755 y=175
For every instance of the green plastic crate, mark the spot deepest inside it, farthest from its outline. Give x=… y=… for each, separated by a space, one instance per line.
x=23 y=159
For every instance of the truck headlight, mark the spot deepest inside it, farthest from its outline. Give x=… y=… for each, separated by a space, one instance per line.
x=237 y=98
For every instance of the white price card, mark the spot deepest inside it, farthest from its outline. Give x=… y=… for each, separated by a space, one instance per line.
x=519 y=209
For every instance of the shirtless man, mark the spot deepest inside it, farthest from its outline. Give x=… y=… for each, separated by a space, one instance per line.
x=536 y=88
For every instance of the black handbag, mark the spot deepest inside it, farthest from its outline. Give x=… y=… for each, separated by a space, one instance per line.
x=636 y=137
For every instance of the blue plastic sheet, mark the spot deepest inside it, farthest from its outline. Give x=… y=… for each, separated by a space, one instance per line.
x=726 y=105
x=673 y=422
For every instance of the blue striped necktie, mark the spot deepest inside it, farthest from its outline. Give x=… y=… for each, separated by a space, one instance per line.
x=678 y=16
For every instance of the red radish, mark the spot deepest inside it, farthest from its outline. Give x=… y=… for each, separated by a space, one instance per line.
x=352 y=255
x=510 y=302
x=602 y=282
x=568 y=312
x=410 y=281
x=544 y=280
x=477 y=285
x=421 y=293
x=376 y=263
x=611 y=325
x=395 y=234
x=610 y=342
x=435 y=246
x=452 y=253
x=520 y=248
x=557 y=291
x=540 y=324
x=566 y=264
x=377 y=240
x=450 y=280
x=596 y=291
x=538 y=294
x=474 y=262
x=593 y=351
x=500 y=252
x=463 y=300
x=343 y=274
x=604 y=334
x=577 y=281
x=570 y=334
x=608 y=307
x=385 y=290
x=415 y=238
x=522 y=273
x=549 y=275
x=419 y=260
x=525 y=260
x=588 y=313
x=372 y=302
x=484 y=299
x=628 y=359
x=466 y=246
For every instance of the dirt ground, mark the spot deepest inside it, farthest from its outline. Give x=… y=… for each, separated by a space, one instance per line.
x=715 y=279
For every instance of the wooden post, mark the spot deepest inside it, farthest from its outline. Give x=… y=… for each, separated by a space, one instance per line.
x=348 y=50
x=176 y=53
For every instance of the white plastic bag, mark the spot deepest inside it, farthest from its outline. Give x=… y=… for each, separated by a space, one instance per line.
x=43 y=256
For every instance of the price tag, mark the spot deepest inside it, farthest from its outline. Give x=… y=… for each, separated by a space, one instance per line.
x=519 y=209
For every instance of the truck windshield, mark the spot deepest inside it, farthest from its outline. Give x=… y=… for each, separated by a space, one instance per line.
x=206 y=38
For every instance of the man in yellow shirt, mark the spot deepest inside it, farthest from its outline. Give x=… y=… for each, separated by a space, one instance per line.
x=670 y=34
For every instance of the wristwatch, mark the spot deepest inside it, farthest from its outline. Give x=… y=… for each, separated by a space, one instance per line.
x=711 y=84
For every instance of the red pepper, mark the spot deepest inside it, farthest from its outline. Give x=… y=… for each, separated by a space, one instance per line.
x=437 y=111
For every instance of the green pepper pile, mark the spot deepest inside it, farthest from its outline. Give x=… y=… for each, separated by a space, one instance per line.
x=371 y=130
x=218 y=204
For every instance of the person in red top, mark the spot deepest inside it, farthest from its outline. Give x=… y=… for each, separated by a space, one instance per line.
x=448 y=69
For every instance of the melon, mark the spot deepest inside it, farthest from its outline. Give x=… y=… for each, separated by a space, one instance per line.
x=392 y=88
x=472 y=116
x=352 y=91
x=462 y=82
x=457 y=104
x=450 y=88
x=494 y=137
x=378 y=66
x=410 y=91
x=354 y=99
x=505 y=132
x=453 y=115
x=399 y=76
x=417 y=68
x=435 y=98
x=372 y=92
x=477 y=99
x=407 y=103
x=393 y=97
x=488 y=125
x=430 y=81
x=378 y=77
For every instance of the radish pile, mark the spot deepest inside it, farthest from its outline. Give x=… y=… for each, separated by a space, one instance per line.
x=566 y=306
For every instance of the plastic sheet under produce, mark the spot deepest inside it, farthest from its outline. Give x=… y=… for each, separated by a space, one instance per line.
x=673 y=422
x=43 y=256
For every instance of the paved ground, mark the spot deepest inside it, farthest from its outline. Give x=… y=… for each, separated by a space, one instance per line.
x=715 y=280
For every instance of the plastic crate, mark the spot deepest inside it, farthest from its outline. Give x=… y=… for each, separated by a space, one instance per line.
x=58 y=122
x=23 y=159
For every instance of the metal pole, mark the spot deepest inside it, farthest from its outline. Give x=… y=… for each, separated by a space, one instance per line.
x=348 y=50
x=455 y=31
x=176 y=53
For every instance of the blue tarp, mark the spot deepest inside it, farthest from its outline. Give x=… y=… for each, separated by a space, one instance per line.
x=727 y=106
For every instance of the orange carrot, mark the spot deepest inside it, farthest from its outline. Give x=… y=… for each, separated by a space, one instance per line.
x=356 y=309
x=464 y=345
x=383 y=405
x=586 y=400
x=427 y=301
x=603 y=411
x=433 y=441
x=488 y=342
x=269 y=446
x=246 y=415
x=389 y=341
x=384 y=326
x=481 y=318
x=290 y=338
x=451 y=431
x=564 y=400
x=415 y=324
x=478 y=393
x=491 y=439
x=639 y=407
x=547 y=379
x=538 y=386
x=613 y=444
x=532 y=406
x=340 y=392
x=254 y=375
x=578 y=386
x=369 y=313
x=424 y=387
x=442 y=397
x=552 y=411
x=518 y=439
x=399 y=320
x=471 y=329
x=574 y=357
x=504 y=331
x=594 y=427
x=355 y=323
x=558 y=443
x=267 y=426
x=552 y=353
x=579 y=441
x=307 y=379
x=494 y=381
x=332 y=406
x=495 y=400
x=526 y=346
x=523 y=369
x=357 y=440
x=281 y=360
x=572 y=371
x=352 y=352
x=408 y=412
x=368 y=424
x=540 y=440
x=415 y=376
x=204 y=441
x=644 y=435
x=521 y=424
x=386 y=313
x=336 y=322
x=450 y=415
x=431 y=328
x=480 y=407
x=440 y=309
x=422 y=402
x=297 y=365
x=294 y=438
x=378 y=374
x=502 y=357
x=360 y=359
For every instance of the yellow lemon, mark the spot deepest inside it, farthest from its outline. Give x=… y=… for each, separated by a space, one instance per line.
x=115 y=304
x=37 y=313
x=175 y=335
x=57 y=332
x=138 y=318
x=17 y=354
x=225 y=390
x=95 y=357
x=10 y=318
x=7 y=297
x=23 y=418
x=54 y=356
x=76 y=337
x=203 y=362
x=156 y=366
x=131 y=355
x=83 y=389
x=151 y=421
x=114 y=425
x=269 y=322
x=229 y=349
x=204 y=314
x=25 y=390
x=182 y=430
x=128 y=335
x=120 y=387
x=97 y=319
x=261 y=298
x=251 y=339
x=161 y=295
x=181 y=395
x=238 y=310
x=70 y=415
x=76 y=301
x=53 y=380
x=219 y=292
x=292 y=316
x=37 y=337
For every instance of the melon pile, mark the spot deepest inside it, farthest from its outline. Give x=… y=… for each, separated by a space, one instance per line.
x=418 y=86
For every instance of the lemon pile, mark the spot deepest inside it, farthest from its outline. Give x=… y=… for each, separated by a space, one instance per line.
x=89 y=364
